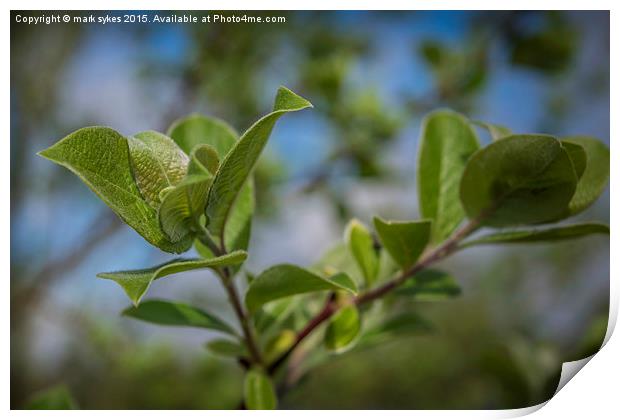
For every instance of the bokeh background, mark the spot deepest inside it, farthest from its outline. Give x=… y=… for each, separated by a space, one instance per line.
x=372 y=76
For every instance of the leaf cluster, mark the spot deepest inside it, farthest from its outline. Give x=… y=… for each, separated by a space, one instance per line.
x=193 y=186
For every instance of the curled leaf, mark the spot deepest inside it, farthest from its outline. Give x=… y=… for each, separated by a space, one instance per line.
x=157 y=163
x=100 y=157
x=240 y=160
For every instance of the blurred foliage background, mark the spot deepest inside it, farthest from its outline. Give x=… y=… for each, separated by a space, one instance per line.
x=371 y=76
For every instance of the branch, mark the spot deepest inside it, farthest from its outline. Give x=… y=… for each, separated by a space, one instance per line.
x=227 y=281
x=439 y=253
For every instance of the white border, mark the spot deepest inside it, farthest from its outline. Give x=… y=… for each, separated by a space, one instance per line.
x=594 y=393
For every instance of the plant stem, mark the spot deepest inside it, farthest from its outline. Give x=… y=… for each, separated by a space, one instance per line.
x=233 y=296
x=244 y=320
x=437 y=254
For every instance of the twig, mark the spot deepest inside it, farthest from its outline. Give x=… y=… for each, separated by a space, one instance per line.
x=233 y=296
x=444 y=250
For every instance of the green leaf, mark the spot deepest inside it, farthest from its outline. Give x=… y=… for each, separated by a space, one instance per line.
x=361 y=245
x=594 y=179
x=287 y=280
x=405 y=241
x=258 y=391
x=343 y=328
x=518 y=180
x=183 y=205
x=55 y=398
x=430 y=285
x=99 y=156
x=136 y=282
x=559 y=233
x=227 y=348
x=194 y=130
x=157 y=163
x=240 y=160
x=176 y=314
x=408 y=323
x=577 y=155
x=496 y=131
x=239 y=223
x=446 y=144
x=278 y=344
x=239 y=226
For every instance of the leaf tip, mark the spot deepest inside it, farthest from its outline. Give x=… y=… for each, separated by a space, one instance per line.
x=286 y=99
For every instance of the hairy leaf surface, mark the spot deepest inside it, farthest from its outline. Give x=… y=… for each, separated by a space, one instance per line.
x=100 y=157
x=136 y=282
x=240 y=160
x=197 y=130
x=183 y=205
x=157 y=163
x=194 y=130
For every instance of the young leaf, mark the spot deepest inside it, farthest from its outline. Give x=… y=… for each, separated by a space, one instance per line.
x=518 y=180
x=55 y=398
x=278 y=344
x=194 y=130
x=559 y=233
x=287 y=280
x=100 y=157
x=239 y=223
x=136 y=282
x=258 y=391
x=157 y=163
x=239 y=162
x=200 y=130
x=176 y=314
x=227 y=348
x=360 y=243
x=342 y=329
x=447 y=141
x=430 y=285
x=595 y=176
x=183 y=205
x=496 y=131
x=405 y=241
